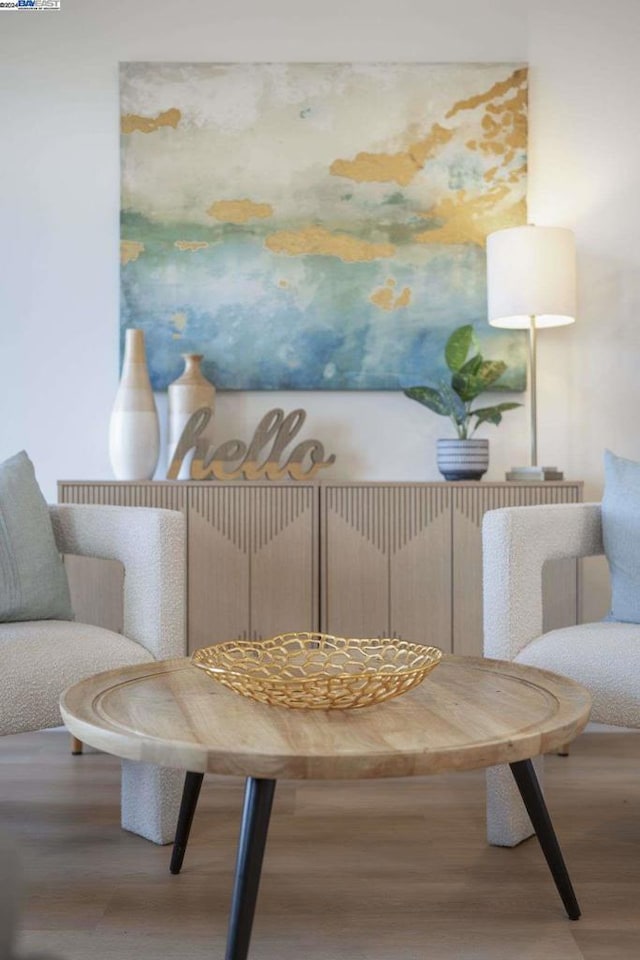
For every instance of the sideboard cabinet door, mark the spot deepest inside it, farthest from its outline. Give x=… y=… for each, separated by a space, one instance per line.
x=252 y=564
x=386 y=561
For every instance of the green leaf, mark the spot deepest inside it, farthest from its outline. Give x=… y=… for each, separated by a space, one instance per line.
x=454 y=405
x=502 y=407
x=467 y=388
x=490 y=371
x=458 y=345
x=430 y=398
x=492 y=414
x=472 y=366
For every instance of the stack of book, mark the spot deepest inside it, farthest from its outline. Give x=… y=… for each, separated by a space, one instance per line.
x=534 y=474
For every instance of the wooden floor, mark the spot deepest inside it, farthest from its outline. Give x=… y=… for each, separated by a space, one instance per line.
x=381 y=870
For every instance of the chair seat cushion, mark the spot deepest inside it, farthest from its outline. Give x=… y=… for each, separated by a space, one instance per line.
x=39 y=659
x=604 y=657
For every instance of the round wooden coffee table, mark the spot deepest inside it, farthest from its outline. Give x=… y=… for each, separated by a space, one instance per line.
x=468 y=713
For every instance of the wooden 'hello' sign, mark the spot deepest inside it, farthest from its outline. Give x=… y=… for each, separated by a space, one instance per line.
x=260 y=460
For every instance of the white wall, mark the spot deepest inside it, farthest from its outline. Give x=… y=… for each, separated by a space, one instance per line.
x=585 y=174
x=59 y=207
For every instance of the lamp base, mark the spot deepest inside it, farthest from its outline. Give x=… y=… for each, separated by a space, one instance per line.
x=534 y=474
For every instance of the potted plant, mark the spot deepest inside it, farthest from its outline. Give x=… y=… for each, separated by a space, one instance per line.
x=466 y=458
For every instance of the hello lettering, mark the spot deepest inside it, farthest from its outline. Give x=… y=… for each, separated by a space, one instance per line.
x=260 y=460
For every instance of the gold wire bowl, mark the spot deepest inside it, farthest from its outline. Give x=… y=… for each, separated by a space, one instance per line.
x=315 y=671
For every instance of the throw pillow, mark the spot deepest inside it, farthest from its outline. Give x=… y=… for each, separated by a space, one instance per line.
x=33 y=581
x=621 y=535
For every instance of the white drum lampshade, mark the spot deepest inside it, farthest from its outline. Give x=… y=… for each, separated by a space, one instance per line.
x=531 y=272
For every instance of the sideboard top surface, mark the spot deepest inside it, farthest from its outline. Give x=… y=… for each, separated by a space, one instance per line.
x=446 y=484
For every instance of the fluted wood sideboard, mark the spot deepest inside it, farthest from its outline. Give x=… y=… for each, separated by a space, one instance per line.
x=354 y=559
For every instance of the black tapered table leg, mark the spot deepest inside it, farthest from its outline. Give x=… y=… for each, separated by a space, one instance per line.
x=525 y=777
x=190 y=794
x=258 y=798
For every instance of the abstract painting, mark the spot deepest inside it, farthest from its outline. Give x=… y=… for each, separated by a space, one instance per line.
x=317 y=226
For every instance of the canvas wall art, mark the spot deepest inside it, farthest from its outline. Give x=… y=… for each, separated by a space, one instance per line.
x=317 y=226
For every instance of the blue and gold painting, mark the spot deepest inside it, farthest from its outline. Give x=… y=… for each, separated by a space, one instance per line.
x=317 y=226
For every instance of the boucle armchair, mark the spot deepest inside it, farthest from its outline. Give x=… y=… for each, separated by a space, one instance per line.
x=39 y=659
x=603 y=656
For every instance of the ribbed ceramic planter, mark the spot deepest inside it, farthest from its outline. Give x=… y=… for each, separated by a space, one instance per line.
x=463 y=459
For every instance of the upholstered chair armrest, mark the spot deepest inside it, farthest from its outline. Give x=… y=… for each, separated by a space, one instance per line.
x=151 y=545
x=516 y=543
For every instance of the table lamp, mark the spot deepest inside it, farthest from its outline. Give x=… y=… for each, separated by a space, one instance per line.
x=531 y=283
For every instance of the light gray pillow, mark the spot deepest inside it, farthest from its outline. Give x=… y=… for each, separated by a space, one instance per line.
x=621 y=535
x=33 y=581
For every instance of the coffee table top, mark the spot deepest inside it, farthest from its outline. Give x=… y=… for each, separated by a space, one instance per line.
x=468 y=713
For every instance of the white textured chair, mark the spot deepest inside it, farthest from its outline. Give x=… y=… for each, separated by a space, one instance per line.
x=39 y=659
x=603 y=656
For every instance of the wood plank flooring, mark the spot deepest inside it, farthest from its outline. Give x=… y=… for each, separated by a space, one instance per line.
x=370 y=870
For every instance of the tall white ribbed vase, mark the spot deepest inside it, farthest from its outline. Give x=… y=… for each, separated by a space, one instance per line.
x=134 y=428
x=188 y=393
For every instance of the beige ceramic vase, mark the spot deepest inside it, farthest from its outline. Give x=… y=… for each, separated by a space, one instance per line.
x=189 y=393
x=134 y=429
